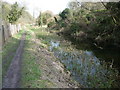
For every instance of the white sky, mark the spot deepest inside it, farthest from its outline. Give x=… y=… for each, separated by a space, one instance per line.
x=42 y=5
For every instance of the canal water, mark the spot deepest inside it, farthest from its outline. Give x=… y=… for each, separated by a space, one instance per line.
x=110 y=54
x=88 y=66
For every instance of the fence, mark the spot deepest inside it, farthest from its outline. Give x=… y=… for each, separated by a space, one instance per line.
x=8 y=30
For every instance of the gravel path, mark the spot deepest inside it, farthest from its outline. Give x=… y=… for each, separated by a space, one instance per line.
x=12 y=78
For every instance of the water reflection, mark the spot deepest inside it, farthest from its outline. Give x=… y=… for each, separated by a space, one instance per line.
x=107 y=54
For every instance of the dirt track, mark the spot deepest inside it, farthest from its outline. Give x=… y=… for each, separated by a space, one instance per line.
x=12 y=78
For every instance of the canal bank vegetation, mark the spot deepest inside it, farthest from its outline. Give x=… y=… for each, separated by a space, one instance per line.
x=82 y=66
x=94 y=23
x=40 y=69
x=51 y=61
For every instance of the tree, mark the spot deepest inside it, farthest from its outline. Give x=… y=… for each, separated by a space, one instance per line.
x=100 y=22
x=44 y=17
x=114 y=9
x=40 y=19
x=65 y=14
x=4 y=10
x=73 y=5
x=14 y=13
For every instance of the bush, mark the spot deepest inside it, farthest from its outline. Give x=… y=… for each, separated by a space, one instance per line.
x=51 y=24
x=75 y=27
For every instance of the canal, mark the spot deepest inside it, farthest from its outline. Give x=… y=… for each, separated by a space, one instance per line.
x=91 y=67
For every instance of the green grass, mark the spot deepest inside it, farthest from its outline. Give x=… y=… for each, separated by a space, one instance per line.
x=9 y=50
x=45 y=37
x=31 y=72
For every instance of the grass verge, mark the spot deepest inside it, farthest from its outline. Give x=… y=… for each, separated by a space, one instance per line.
x=31 y=71
x=9 y=50
x=46 y=37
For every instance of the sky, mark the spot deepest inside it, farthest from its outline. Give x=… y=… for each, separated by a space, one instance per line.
x=55 y=6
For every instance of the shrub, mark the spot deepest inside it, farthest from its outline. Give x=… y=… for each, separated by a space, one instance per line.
x=50 y=24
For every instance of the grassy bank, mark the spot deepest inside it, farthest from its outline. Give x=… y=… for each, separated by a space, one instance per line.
x=45 y=36
x=9 y=50
x=31 y=71
x=85 y=63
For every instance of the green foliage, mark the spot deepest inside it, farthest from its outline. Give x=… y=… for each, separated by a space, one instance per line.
x=14 y=13
x=40 y=19
x=50 y=24
x=99 y=21
x=4 y=10
x=74 y=27
x=114 y=10
x=25 y=18
x=73 y=5
x=43 y=18
x=107 y=23
x=63 y=24
x=46 y=16
x=65 y=14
